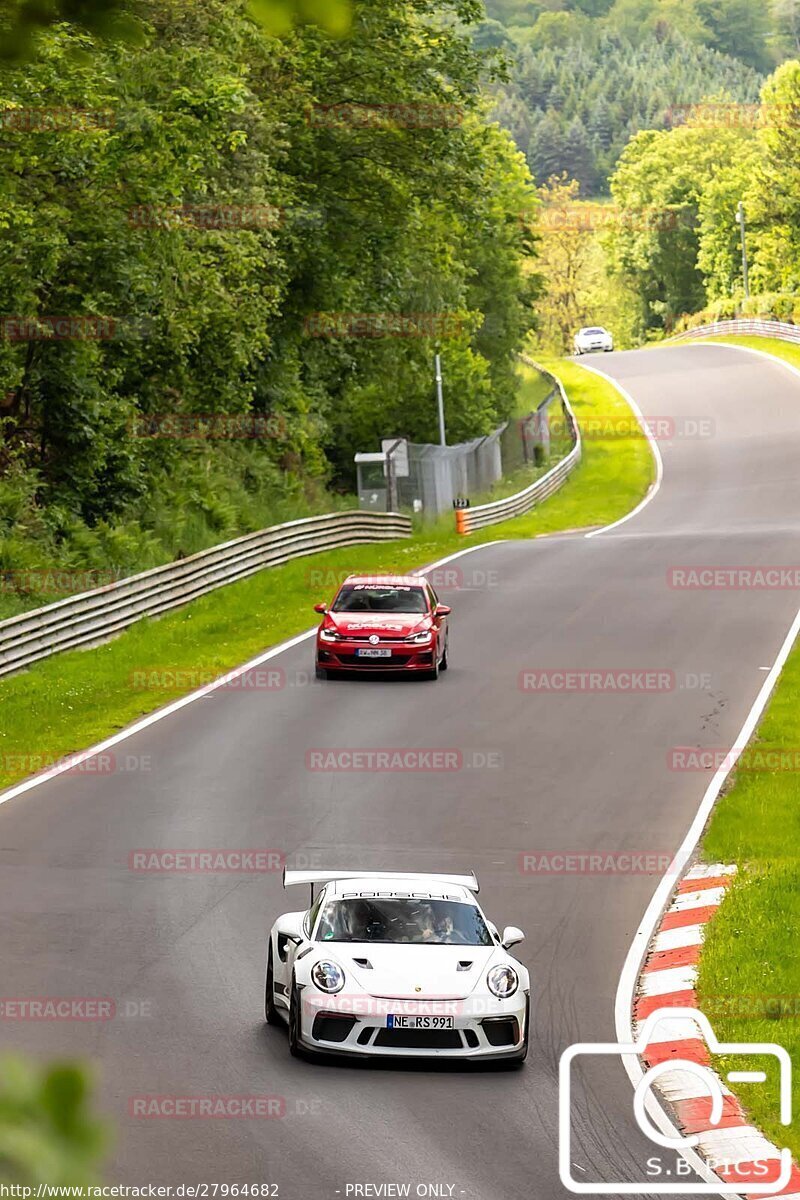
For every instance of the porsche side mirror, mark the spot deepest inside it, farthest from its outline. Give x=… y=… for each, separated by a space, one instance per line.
x=289 y=929
x=321 y=608
x=512 y=936
x=442 y=610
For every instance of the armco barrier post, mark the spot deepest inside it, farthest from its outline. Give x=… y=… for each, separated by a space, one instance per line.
x=482 y=515
x=96 y=616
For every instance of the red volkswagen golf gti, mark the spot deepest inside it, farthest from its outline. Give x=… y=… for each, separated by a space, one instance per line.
x=386 y=623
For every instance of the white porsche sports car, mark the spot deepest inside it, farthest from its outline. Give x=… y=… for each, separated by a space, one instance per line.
x=391 y=963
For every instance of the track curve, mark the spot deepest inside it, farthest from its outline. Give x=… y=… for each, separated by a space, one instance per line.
x=585 y=772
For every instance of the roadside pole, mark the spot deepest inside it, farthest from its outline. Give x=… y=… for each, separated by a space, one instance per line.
x=440 y=401
x=741 y=221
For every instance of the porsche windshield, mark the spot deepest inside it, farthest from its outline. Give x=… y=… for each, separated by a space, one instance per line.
x=371 y=598
x=403 y=921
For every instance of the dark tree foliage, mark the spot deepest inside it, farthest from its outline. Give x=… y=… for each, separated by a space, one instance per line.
x=208 y=190
x=614 y=68
x=609 y=91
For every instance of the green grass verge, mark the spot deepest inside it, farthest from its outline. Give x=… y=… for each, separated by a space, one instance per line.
x=749 y=985
x=69 y=702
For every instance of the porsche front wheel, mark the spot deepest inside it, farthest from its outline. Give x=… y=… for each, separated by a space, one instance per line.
x=294 y=1023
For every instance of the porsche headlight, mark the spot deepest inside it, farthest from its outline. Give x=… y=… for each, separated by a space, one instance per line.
x=502 y=981
x=328 y=976
x=422 y=637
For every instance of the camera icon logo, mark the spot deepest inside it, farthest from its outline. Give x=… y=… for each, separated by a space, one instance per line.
x=646 y=1106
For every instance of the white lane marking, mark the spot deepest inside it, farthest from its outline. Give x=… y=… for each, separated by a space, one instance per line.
x=713 y=870
x=738 y=1144
x=678 y=939
x=72 y=761
x=458 y=554
x=673 y=979
x=673 y=1029
x=705 y=898
x=656 y=485
x=629 y=978
x=684 y=1085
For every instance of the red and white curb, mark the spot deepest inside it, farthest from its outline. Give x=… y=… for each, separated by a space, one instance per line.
x=669 y=980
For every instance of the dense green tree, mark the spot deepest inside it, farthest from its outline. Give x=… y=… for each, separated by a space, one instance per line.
x=613 y=89
x=786 y=27
x=579 y=158
x=358 y=175
x=719 y=256
x=741 y=29
x=773 y=198
x=548 y=147
x=22 y=20
x=658 y=186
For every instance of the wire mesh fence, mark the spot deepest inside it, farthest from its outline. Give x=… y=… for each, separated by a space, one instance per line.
x=432 y=480
x=439 y=475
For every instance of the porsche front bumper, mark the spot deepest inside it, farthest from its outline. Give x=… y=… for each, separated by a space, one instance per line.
x=481 y=1027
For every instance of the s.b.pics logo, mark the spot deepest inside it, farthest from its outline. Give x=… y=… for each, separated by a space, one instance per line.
x=674 y=1051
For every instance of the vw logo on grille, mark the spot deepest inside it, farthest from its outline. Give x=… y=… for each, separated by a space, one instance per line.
x=373 y=637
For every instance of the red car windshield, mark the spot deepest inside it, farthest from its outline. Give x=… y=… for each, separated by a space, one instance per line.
x=376 y=598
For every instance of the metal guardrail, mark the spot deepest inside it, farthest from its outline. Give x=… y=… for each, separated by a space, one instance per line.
x=470 y=519
x=743 y=325
x=95 y=616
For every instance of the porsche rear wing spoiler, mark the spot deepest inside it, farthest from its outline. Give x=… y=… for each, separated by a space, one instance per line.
x=290 y=878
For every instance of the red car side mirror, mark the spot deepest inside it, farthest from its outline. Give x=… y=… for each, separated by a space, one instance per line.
x=321 y=608
x=442 y=610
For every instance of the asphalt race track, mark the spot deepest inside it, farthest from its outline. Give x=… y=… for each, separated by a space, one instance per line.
x=183 y=955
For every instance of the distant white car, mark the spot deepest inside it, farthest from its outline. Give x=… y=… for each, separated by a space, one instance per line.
x=396 y=964
x=593 y=337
